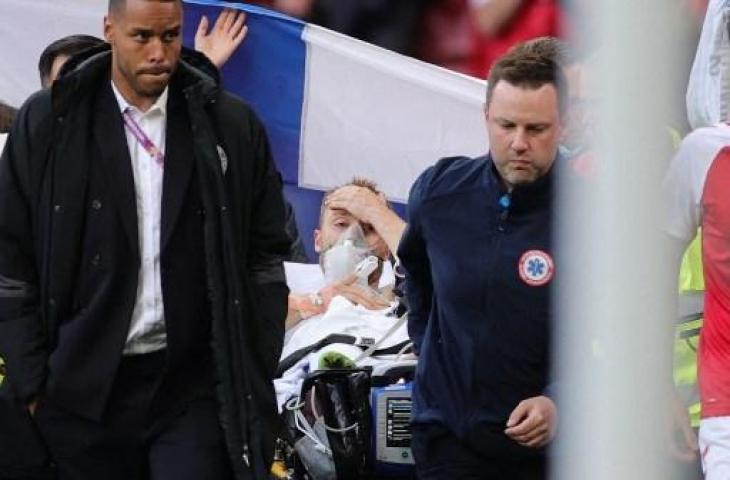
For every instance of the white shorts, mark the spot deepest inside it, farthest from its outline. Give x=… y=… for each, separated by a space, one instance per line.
x=714 y=441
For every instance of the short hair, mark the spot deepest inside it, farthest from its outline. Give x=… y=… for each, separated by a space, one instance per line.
x=116 y=5
x=553 y=48
x=525 y=68
x=7 y=115
x=355 y=182
x=66 y=46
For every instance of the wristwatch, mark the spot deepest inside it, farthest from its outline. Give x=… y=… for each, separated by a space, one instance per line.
x=316 y=299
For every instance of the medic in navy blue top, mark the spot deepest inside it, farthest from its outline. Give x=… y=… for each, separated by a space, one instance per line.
x=480 y=266
x=479 y=269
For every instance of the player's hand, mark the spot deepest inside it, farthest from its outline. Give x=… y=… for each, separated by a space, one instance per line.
x=227 y=34
x=305 y=306
x=683 y=440
x=361 y=202
x=365 y=296
x=533 y=422
x=355 y=293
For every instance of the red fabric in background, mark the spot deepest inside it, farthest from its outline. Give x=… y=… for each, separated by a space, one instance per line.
x=535 y=18
x=446 y=37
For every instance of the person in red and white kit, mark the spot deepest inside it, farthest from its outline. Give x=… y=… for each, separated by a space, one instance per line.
x=698 y=191
x=501 y=24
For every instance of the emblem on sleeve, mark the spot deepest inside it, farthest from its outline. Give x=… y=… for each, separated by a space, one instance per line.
x=536 y=268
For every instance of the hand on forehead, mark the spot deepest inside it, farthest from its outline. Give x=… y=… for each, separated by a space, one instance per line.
x=351 y=191
x=341 y=218
x=361 y=202
x=337 y=220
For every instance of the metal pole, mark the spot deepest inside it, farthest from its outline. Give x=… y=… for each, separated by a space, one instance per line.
x=613 y=338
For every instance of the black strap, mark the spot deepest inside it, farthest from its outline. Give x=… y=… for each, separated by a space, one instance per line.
x=690 y=318
x=392 y=350
x=690 y=333
x=297 y=355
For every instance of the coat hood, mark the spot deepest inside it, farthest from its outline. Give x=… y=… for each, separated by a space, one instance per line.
x=82 y=71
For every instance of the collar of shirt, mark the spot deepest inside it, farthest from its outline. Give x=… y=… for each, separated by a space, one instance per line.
x=160 y=104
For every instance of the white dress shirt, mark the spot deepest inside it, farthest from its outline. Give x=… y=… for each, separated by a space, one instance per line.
x=147 y=329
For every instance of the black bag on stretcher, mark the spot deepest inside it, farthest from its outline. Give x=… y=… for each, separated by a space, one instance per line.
x=329 y=424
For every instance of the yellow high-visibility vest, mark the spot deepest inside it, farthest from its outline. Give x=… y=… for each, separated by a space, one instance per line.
x=685 y=348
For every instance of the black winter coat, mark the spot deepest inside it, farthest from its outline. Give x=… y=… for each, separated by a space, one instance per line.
x=43 y=169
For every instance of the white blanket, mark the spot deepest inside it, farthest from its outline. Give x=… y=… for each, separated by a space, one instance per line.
x=342 y=317
x=345 y=318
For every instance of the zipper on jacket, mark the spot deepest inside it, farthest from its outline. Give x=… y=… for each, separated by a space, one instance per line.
x=504 y=203
x=495 y=240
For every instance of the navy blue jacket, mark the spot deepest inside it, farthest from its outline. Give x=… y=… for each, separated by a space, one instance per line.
x=479 y=268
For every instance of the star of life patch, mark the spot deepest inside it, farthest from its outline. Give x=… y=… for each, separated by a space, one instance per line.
x=536 y=268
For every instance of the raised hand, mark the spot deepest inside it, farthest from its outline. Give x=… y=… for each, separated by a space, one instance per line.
x=227 y=34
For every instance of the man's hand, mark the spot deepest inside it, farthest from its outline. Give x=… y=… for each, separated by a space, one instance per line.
x=533 y=422
x=32 y=407
x=364 y=204
x=683 y=440
x=369 y=207
x=354 y=292
x=227 y=34
x=295 y=8
x=495 y=15
x=305 y=306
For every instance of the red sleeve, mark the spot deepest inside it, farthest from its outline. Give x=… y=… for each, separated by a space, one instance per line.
x=536 y=18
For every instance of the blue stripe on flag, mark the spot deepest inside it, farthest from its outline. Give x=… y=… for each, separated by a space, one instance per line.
x=267 y=71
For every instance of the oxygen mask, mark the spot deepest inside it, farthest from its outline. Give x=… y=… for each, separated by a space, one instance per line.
x=343 y=256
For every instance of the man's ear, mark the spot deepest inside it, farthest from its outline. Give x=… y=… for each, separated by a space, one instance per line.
x=317 y=240
x=108 y=29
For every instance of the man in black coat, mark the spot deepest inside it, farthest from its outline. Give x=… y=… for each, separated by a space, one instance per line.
x=142 y=296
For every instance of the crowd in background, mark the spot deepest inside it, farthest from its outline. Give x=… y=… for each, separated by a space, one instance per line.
x=462 y=35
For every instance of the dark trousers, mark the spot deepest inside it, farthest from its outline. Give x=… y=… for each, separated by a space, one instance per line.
x=138 y=438
x=23 y=454
x=440 y=455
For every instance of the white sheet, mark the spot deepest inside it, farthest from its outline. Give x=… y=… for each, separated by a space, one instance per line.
x=344 y=318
